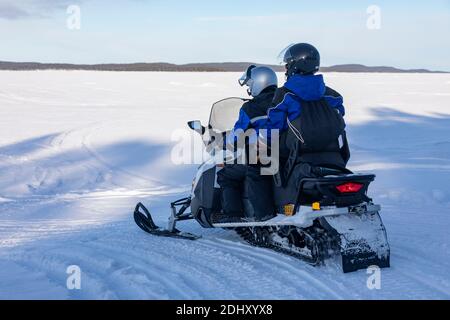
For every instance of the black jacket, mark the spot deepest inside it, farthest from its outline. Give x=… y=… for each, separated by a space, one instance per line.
x=305 y=106
x=253 y=113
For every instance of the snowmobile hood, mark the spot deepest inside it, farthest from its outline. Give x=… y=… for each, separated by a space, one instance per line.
x=309 y=88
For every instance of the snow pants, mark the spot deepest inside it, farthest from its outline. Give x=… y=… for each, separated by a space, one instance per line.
x=245 y=192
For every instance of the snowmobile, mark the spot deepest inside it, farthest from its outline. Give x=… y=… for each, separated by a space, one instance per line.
x=333 y=215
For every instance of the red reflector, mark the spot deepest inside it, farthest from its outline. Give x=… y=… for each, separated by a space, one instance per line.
x=350 y=187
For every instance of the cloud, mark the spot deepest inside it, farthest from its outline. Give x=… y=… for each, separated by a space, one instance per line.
x=11 y=11
x=23 y=9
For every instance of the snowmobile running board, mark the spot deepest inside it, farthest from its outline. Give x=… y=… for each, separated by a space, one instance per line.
x=304 y=216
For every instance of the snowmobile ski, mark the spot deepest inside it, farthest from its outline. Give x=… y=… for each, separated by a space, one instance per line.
x=144 y=220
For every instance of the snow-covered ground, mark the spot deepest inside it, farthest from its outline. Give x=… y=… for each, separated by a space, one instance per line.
x=79 y=149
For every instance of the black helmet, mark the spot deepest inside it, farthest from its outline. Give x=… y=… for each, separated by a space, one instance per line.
x=301 y=58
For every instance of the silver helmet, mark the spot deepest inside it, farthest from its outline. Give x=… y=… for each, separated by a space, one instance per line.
x=257 y=79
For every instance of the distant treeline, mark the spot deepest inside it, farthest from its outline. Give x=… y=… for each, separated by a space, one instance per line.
x=192 y=67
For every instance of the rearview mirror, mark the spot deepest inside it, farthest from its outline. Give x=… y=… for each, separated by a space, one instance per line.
x=196 y=125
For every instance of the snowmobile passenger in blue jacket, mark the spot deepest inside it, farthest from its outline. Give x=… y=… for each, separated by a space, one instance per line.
x=262 y=82
x=236 y=180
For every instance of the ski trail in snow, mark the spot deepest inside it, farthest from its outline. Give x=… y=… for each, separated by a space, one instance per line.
x=71 y=149
x=80 y=139
x=132 y=265
x=23 y=283
x=53 y=263
x=86 y=143
x=277 y=265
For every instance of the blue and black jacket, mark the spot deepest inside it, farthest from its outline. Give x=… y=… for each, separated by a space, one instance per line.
x=253 y=114
x=304 y=93
x=287 y=103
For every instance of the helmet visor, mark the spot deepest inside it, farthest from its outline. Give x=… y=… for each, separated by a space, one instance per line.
x=285 y=55
x=246 y=76
x=243 y=80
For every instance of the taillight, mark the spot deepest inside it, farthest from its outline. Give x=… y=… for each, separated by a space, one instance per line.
x=350 y=187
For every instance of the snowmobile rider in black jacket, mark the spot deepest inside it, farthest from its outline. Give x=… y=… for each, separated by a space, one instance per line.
x=294 y=101
x=245 y=192
x=309 y=116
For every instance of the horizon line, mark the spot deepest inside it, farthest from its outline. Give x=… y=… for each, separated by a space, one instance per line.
x=205 y=64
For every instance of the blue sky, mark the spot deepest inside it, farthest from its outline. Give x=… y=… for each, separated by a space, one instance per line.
x=412 y=35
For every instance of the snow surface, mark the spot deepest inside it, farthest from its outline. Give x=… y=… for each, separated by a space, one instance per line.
x=79 y=149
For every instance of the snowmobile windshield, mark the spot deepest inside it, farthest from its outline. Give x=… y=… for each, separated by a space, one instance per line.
x=225 y=113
